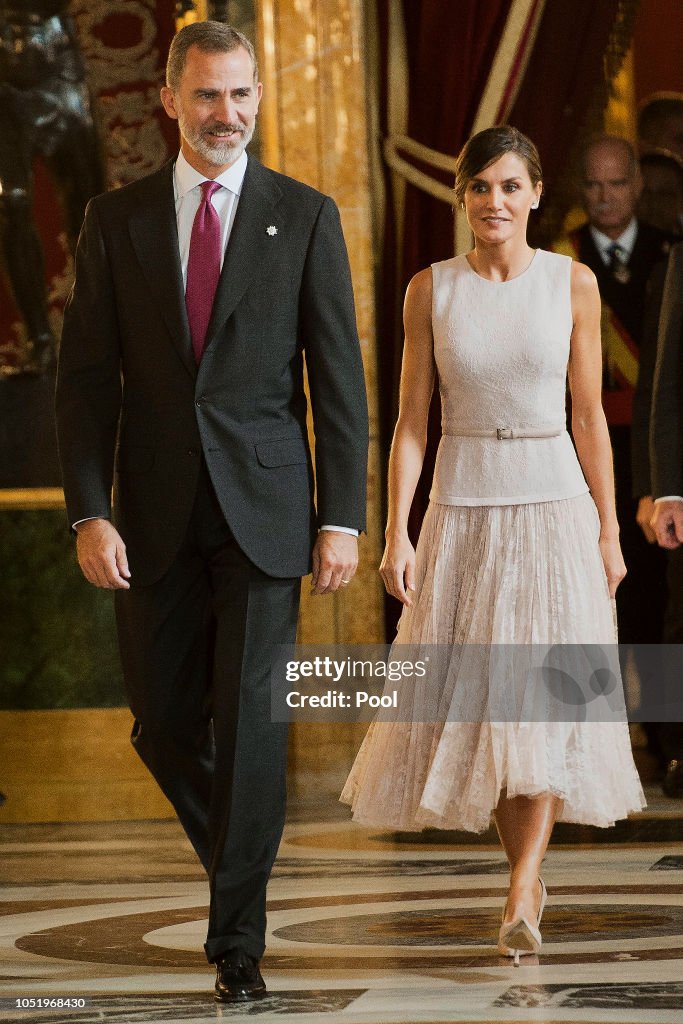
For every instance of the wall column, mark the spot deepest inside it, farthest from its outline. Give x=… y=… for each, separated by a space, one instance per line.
x=314 y=127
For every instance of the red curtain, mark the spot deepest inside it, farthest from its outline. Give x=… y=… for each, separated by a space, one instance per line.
x=657 y=48
x=450 y=51
x=564 y=91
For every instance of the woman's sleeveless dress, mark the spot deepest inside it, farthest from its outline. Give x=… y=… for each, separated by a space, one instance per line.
x=508 y=554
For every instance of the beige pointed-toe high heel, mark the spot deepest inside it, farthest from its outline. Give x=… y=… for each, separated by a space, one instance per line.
x=520 y=937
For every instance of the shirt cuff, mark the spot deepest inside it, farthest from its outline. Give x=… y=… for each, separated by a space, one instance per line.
x=86 y=520
x=669 y=497
x=337 y=529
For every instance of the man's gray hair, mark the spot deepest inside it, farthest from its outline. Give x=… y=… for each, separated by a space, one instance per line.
x=210 y=37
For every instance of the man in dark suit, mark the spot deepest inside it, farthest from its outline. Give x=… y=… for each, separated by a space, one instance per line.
x=622 y=252
x=198 y=290
x=666 y=737
x=666 y=458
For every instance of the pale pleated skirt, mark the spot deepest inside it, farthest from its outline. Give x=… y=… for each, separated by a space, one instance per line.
x=513 y=575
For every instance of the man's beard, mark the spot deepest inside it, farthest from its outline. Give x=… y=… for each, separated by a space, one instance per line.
x=214 y=151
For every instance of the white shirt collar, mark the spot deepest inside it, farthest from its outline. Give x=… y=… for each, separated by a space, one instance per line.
x=186 y=177
x=626 y=240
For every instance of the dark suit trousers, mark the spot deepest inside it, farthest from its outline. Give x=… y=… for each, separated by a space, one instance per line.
x=196 y=649
x=649 y=599
x=670 y=734
x=642 y=594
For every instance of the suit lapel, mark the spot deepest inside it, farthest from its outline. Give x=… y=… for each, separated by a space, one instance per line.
x=248 y=245
x=154 y=233
x=639 y=251
x=589 y=253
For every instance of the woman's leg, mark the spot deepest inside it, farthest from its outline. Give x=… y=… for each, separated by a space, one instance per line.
x=524 y=825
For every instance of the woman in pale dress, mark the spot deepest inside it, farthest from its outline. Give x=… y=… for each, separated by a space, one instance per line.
x=520 y=543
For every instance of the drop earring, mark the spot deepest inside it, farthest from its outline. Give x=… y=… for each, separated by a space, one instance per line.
x=534 y=205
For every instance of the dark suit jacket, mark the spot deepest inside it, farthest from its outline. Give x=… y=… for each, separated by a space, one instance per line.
x=666 y=429
x=642 y=399
x=132 y=404
x=627 y=300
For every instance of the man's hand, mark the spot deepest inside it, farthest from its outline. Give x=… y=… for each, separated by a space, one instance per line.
x=667 y=522
x=102 y=554
x=335 y=558
x=646 y=508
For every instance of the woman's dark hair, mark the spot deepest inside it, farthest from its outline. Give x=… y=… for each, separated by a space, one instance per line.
x=484 y=148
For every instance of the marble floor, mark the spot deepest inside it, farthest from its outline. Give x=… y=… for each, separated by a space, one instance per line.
x=363 y=925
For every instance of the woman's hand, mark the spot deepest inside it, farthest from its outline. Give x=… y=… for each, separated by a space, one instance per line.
x=613 y=561
x=398 y=568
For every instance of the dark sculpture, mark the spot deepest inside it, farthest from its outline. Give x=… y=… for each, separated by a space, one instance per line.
x=45 y=110
x=218 y=10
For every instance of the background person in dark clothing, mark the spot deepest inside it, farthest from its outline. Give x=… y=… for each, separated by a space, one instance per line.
x=622 y=252
x=661 y=200
x=665 y=738
x=666 y=456
x=660 y=122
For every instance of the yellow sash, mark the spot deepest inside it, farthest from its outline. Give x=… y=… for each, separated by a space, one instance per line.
x=617 y=355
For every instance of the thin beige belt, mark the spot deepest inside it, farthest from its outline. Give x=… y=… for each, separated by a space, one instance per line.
x=507 y=433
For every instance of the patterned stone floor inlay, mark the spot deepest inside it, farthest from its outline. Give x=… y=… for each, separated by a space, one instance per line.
x=441 y=927
x=590 y=997
x=185 y=1009
x=289 y=867
x=364 y=927
x=638 y=829
x=671 y=863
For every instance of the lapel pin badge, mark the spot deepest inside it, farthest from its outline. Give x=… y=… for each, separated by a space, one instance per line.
x=271 y=230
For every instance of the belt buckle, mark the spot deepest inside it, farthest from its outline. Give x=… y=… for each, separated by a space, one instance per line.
x=504 y=433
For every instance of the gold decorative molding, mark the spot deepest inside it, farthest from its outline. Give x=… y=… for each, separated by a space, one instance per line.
x=441 y=161
x=416 y=177
x=398 y=88
x=620 y=115
x=266 y=45
x=315 y=81
x=29 y=499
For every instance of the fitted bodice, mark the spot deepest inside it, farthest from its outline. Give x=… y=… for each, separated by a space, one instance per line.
x=501 y=351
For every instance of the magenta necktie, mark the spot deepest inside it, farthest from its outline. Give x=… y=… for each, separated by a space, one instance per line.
x=203 y=267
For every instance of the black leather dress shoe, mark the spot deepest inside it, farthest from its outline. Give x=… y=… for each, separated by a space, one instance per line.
x=672 y=783
x=238 y=979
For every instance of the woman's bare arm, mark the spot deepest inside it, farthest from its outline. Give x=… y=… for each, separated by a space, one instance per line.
x=410 y=436
x=589 y=426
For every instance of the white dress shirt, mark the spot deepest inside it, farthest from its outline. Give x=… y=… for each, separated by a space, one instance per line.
x=625 y=241
x=188 y=194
